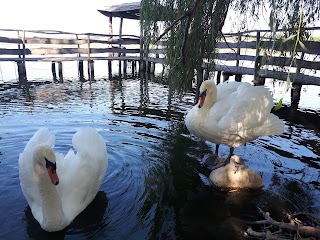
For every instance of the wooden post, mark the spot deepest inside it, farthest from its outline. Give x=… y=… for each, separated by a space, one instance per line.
x=80 y=70
x=238 y=50
x=259 y=81
x=110 y=33
x=21 y=64
x=295 y=95
x=206 y=73
x=226 y=76
x=91 y=63
x=110 y=69
x=22 y=73
x=142 y=63
x=148 y=66
x=257 y=58
x=152 y=67
x=238 y=77
x=296 y=89
x=60 y=71
x=54 y=73
x=89 y=59
x=124 y=64
x=80 y=63
x=119 y=68
x=218 y=77
x=133 y=66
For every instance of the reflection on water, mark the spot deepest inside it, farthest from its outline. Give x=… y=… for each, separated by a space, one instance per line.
x=155 y=186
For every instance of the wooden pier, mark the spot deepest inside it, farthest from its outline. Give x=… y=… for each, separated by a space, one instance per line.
x=253 y=53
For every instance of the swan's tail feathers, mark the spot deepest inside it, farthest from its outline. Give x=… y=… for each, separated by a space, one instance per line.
x=88 y=141
x=273 y=126
x=42 y=136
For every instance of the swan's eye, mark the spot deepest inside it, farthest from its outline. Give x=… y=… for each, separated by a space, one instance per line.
x=204 y=93
x=50 y=164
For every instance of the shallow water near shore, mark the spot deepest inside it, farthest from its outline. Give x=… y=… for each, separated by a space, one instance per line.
x=155 y=186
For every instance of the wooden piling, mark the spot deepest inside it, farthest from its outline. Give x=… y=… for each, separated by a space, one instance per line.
x=142 y=66
x=206 y=73
x=148 y=66
x=296 y=88
x=110 y=69
x=257 y=57
x=22 y=73
x=91 y=69
x=238 y=77
x=60 y=71
x=54 y=73
x=226 y=76
x=218 y=77
x=80 y=71
x=259 y=81
x=133 y=66
x=152 y=67
x=295 y=95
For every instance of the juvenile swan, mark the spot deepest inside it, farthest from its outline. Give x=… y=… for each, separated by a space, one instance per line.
x=232 y=114
x=56 y=187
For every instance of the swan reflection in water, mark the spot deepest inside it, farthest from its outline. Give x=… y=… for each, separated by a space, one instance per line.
x=88 y=223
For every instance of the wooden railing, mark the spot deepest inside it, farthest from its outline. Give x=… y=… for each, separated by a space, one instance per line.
x=247 y=53
x=48 y=45
x=256 y=53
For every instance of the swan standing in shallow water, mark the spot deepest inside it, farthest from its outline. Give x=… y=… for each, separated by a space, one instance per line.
x=232 y=114
x=56 y=187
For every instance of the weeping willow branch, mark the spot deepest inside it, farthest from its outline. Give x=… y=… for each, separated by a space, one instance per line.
x=187 y=14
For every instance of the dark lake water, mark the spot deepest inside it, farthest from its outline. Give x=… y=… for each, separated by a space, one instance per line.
x=155 y=186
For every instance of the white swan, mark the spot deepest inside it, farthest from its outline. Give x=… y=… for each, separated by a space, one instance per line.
x=56 y=187
x=232 y=114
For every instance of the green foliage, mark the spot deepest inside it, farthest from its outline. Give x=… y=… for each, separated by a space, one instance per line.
x=190 y=39
x=192 y=27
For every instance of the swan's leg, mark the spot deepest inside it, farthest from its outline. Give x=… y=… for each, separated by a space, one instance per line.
x=230 y=154
x=215 y=156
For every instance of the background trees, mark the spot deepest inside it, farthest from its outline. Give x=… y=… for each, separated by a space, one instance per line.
x=192 y=27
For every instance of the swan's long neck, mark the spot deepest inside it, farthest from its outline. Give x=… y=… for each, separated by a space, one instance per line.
x=52 y=211
x=211 y=97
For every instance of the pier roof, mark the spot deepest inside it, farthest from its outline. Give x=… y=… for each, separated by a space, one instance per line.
x=125 y=10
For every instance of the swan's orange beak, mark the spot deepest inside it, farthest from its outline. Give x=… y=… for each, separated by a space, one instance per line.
x=202 y=97
x=51 y=168
x=53 y=176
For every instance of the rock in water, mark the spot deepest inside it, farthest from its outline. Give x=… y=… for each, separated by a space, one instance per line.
x=235 y=175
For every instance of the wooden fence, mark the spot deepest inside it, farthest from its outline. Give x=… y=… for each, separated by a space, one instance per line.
x=256 y=53
x=247 y=53
x=22 y=46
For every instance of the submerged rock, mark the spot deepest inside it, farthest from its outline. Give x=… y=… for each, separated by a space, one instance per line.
x=235 y=175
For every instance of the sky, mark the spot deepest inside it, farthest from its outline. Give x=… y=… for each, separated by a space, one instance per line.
x=79 y=16
x=76 y=16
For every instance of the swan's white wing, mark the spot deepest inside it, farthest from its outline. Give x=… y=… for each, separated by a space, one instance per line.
x=225 y=89
x=244 y=109
x=81 y=174
x=28 y=180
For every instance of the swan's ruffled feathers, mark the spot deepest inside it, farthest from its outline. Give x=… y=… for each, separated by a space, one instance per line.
x=246 y=113
x=82 y=172
x=240 y=113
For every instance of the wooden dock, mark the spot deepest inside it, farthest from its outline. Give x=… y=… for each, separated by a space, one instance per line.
x=23 y=46
x=253 y=52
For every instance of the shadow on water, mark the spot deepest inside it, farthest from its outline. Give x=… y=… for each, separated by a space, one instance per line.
x=157 y=188
x=88 y=223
